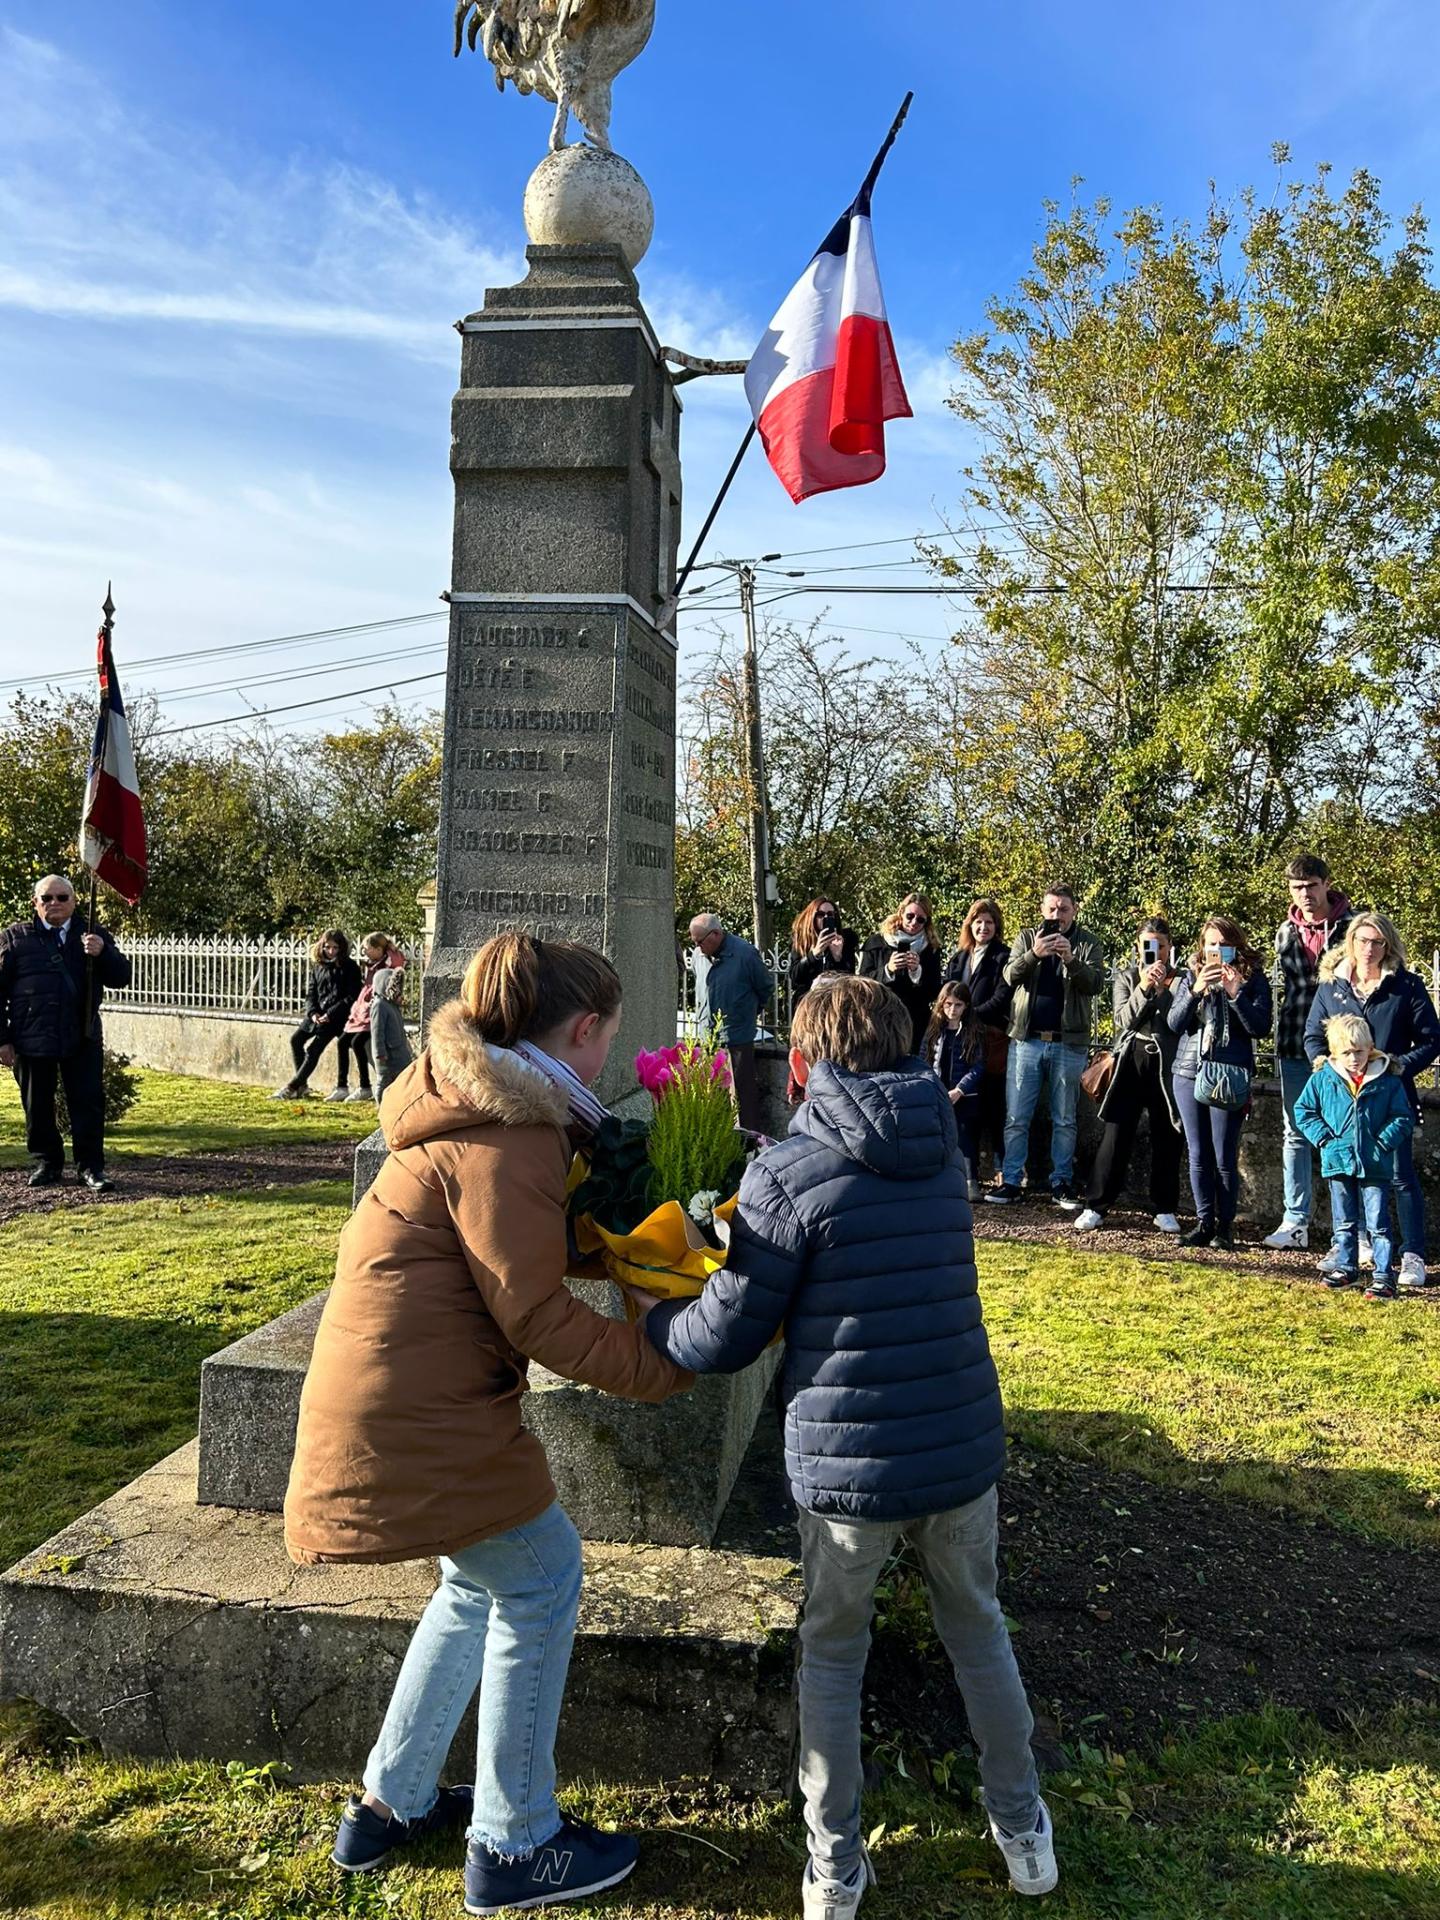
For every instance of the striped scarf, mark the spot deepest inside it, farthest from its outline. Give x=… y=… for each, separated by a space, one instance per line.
x=586 y=1112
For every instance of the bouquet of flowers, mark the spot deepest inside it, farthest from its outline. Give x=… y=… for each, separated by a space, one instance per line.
x=657 y=1195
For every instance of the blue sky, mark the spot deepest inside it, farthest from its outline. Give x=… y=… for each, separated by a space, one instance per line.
x=233 y=241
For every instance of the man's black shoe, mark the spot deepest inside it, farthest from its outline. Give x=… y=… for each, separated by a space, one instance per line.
x=1002 y=1196
x=366 y=1839
x=1199 y=1235
x=44 y=1177
x=1223 y=1239
x=97 y=1182
x=1064 y=1195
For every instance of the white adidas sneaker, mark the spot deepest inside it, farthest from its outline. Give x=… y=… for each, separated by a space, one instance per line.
x=1030 y=1856
x=835 y=1899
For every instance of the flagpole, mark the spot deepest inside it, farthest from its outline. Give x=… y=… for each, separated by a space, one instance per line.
x=108 y=630
x=672 y=604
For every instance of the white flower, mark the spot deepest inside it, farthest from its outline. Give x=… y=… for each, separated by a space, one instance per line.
x=703 y=1205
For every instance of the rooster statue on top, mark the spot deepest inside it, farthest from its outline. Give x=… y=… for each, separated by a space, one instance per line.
x=567 y=51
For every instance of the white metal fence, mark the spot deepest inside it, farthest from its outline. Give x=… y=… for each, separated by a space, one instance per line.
x=221 y=973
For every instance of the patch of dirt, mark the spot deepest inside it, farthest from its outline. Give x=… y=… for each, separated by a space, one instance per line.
x=1041 y=1221
x=173 y=1177
x=1143 y=1607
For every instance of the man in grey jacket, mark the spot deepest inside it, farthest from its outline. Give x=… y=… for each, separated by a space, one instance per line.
x=1055 y=970
x=730 y=996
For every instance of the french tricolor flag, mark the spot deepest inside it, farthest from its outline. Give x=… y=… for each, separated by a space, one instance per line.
x=112 y=822
x=825 y=379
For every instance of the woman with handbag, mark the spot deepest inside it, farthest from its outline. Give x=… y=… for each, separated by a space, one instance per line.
x=1139 y=1082
x=979 y=964
x=1219 y=1007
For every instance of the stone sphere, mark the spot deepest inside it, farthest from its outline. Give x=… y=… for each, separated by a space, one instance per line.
x=583 y=197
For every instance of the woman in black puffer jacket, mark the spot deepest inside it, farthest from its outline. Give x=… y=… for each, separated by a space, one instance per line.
x=334 y=987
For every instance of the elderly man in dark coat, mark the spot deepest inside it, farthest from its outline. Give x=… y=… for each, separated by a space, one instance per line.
x=53 y=971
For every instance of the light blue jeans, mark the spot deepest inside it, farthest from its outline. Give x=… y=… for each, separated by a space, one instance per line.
x=842 y=1561
x=1297 y=1154
x=1350 y=1202
x=502 y=1619
x=1031 y=1064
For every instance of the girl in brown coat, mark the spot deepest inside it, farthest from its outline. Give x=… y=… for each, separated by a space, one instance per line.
x=451 y=1275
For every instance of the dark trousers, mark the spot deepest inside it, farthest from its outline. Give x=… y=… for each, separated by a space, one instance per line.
x=357 y=1044
x=990 y=1120
x=1141 y=1091
x=1213 y=1137
x=82 y=1075
x=307 y=1043
x=747 y=1086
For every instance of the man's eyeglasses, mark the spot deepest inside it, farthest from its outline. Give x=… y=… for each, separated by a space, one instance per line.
x=55 y=899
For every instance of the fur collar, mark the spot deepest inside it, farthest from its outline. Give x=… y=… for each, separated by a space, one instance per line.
x=462 y=1081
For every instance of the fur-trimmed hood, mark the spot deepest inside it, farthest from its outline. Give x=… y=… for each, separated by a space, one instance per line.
x=1337 y=966
x=462 y=1081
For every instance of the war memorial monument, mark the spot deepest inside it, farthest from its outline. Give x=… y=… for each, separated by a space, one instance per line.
x=169 y=1620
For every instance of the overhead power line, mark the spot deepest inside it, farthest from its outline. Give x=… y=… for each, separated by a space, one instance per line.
x=296 y=706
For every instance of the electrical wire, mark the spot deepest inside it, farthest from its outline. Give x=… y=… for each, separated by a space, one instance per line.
x=296 y=706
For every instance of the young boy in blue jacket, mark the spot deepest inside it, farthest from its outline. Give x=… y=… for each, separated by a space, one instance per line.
x=1356 y=1111
x=854 y=1235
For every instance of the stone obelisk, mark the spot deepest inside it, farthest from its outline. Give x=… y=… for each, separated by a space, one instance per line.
x=558 y=806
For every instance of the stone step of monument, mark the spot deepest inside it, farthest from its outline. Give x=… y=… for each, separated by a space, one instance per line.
x=622 y=1471
x=157 y=1626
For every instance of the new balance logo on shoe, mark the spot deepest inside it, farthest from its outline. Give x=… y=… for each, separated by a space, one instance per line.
x=552 y=1869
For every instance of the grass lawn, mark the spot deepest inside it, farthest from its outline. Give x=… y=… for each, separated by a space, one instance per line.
x=1245 y=1387
x=179 y=1115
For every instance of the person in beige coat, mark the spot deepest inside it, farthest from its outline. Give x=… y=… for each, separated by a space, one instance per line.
x=450 y=1279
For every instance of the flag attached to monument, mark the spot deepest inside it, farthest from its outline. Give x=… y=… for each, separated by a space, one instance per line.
x=825 y=379
x=112 y=822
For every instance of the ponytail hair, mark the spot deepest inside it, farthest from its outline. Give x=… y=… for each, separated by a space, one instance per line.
x=517 y=988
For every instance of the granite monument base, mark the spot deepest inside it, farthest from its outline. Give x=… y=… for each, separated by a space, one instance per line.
x=160 y=1627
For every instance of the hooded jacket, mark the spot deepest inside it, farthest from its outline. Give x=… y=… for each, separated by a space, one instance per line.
x=1402 y=1018
x=1357 y=1133
x=43 y=985
x=451 y=1273
x=854 y=1235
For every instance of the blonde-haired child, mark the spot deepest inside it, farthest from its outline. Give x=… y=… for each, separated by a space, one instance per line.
x=1354 y=1109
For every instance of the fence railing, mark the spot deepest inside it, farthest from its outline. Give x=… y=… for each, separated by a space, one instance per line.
x=221 y=973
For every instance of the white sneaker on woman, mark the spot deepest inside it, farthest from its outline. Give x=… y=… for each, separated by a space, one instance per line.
x=1166 y=1223
x=336 y=1094
x=1030 y=1856
x=1088 y=1221
x=1412 y=1273
x=1291 y=1236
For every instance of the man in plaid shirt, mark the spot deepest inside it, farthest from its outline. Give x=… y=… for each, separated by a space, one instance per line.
x=1318 y=917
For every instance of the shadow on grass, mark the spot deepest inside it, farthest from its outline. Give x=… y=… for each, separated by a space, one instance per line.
x=1374 y=1501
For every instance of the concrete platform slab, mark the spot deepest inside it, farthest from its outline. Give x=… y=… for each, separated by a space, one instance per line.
x=158 y=1626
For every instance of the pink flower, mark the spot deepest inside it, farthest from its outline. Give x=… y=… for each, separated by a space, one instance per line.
x=656 y=1070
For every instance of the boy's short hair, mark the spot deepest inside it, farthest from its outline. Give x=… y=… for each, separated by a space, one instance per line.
x=1348 y=1030
x=855 y=1024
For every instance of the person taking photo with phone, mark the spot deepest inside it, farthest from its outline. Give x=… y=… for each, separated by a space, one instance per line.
x=979 y=964
x=1219 y=1007
x=819 y=944
x=1140 y=1083
x=1054 y=974
x=904 y=957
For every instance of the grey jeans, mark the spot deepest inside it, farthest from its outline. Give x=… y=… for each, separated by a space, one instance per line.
x=842 y=1561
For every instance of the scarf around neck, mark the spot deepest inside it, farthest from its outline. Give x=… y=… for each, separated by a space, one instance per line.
x=586 y=1112
x=917 y=942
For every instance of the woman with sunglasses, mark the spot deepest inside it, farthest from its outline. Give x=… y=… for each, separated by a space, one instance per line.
x=904 y=956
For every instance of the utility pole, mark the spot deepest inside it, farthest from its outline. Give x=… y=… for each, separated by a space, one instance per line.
x=762 y=881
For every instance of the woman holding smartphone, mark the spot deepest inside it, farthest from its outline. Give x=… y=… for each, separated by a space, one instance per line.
x=1219 y=1007
x=904 y=957
x=1142 y=1083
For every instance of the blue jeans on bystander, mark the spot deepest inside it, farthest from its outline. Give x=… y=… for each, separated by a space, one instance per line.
x=502 y=1619
x=1296 y=1153
x=1031 y=1064
x=1352 y=1201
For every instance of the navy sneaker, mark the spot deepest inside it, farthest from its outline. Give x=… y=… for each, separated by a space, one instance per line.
x=579 y=1860
x=367 y=1839
x=1341 y=1277
x=1004 y=1195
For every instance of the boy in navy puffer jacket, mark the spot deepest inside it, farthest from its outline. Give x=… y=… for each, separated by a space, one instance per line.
x=854 y=1235
x=1355 y=1109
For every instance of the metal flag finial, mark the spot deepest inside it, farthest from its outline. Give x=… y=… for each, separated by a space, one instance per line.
x=109 y=607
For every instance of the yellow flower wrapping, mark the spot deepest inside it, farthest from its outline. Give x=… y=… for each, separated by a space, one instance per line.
x=666 y=1254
